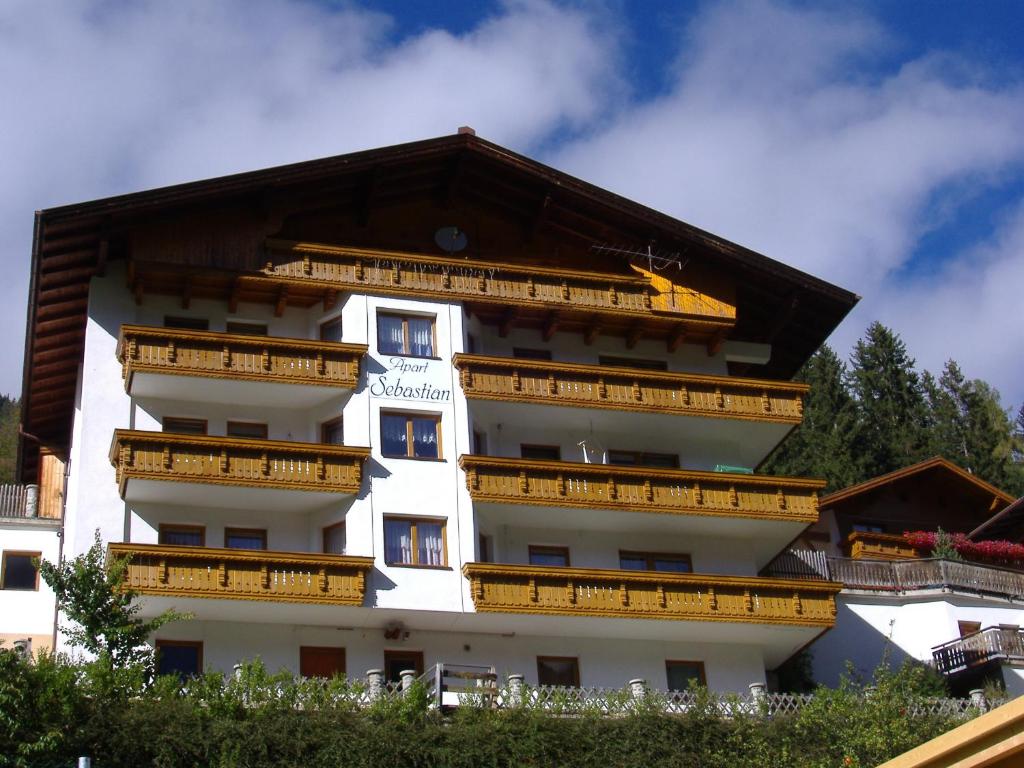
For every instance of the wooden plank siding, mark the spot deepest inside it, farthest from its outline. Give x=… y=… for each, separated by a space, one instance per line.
x=500 y=588
x=595 y=386
x=640 y=489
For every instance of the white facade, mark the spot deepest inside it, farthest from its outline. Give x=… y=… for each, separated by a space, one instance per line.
x=28 y=614
x=432 y=606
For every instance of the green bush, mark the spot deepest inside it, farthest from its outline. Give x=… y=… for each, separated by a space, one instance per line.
x=53 y=710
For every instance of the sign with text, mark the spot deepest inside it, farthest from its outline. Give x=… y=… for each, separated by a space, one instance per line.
x=404 y=381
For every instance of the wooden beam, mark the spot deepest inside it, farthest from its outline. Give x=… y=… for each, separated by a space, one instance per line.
x=330 y=299
x=634 y=335
x=508 y=321
x=236 y=291
x=676 y=338
x=789 y=307
x=186 y=293
x=540 y=219
x=550 y=326
x=715 y=343
x=138 y=290
x=454 y=180
x=368 y=193
x=282 y=301
x=593 y=330
x=102 y=253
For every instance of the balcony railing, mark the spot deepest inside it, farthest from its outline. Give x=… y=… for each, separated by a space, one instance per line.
x=595 y=386
x=524 y=286
x=901 y=575
x=978 y=648
x=138 y=455
x=640 y=489
x=19 y=500
x=649 y=595
x=144 y=349
x=43 y=501
x=885 y=546
x=241 y=574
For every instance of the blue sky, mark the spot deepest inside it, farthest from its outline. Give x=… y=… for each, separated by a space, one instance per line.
x=877 y=144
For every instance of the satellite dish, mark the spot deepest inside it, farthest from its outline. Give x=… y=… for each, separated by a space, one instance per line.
x=450 y=239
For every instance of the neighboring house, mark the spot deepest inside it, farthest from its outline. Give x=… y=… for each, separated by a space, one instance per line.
x=964 y=617
x=430 y=403
x=30 y=530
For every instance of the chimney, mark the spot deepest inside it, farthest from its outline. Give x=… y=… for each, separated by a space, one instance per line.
x=465 y=129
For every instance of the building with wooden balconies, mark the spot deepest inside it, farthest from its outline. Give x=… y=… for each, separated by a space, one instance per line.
x=408 y=406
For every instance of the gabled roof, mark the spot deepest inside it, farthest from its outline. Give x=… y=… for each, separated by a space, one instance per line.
x=776 y=303
x=935 y=466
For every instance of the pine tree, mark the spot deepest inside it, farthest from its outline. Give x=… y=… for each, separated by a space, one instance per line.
x=822 y=446
x=891 y=406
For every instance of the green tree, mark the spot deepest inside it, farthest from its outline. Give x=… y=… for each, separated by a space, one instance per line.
x=891 y=407
x=91 y=592
x=10 y=417
x=823 y=445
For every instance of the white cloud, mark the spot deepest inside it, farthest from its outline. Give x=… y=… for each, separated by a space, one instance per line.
x=778 y=136
x=776 y=131
x=114 y=97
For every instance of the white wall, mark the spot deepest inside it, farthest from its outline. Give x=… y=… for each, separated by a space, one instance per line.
x=29 y=613
x=867 y=629
x=601 y=662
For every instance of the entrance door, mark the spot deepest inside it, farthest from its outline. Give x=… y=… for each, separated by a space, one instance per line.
x=396 y=661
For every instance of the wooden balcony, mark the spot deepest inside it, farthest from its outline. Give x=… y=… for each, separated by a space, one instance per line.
x=235 y=357
x=640 y=489
x=544 y=382
x=878 y=546
x=146 y=457
x=239 y=574
x=498 y=588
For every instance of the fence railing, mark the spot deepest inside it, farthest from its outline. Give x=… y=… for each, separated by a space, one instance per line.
x=453 y=685
x=900 y=575
x=19 y=500
x=977 y=648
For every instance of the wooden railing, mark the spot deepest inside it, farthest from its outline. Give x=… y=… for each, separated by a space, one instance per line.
x=596 y=386
x=241 y=574
x=649 y=594
x=45 y=500
x=977 y=648
x=236 y=461
x=901 y=575
x=144 y=349
x=884 y=546
x=19 y=500
x=640 y=489
x=464 y=279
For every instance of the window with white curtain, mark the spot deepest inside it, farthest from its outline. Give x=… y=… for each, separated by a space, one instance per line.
x=408 y=335
x=410 y=435
x=414 y=541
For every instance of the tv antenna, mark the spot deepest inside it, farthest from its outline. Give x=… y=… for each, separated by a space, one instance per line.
x=657 y=261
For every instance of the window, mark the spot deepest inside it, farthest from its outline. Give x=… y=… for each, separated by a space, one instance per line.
x=643 y=459
x=866 y=528
x=248 y=429
x=415 y=541
x=531 y=354
x=655 y=561
x=183 y=658
x=542 y=555
x=334 y=539
x=409 y=436
x=245 y=538
x=395 y=662
x=191 y=323
x=558 y=670
x=19 y=571
x=633 y=362
x=183 y=535
x=246 y=329
x=479 y=443
x=320 y=661
x=333 y=432
x=547 y=452
x=681 y=673
x=182 y=426
x=330 y=330
x=406 y=335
